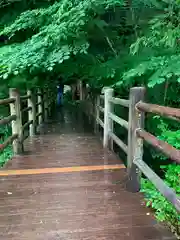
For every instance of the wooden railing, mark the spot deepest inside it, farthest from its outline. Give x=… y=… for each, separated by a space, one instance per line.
x=38 y=105
x=136 y=136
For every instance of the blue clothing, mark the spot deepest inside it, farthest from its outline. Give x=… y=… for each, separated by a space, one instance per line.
x=60 y=89
x=60 y=94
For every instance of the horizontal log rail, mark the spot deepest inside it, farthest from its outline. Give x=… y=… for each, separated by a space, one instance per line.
x=137 y=136
x=38 y=103
x=101 y=97
x=25 y=97
x=160 y=145
x=100 y=122
x=168 y=192
x=119 y=120
x=8 y=141
x=101 y=109
x=27 y=124
x=7 y=120
x=39 y=114
x=119 y=101
x=35 y=116
x=160 y=110
x=39 y=94
x=118 y=141
x=26 y=109
x=7 y=101
x=24 y=138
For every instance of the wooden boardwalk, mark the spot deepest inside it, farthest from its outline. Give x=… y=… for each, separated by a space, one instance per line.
x=66 y=187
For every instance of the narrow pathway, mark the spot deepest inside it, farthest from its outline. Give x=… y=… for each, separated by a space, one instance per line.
x=66 y=187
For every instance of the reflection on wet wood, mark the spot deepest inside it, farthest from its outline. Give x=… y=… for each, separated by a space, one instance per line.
x=76 y=205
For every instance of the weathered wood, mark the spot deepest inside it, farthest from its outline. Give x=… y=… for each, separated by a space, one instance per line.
x=39 y=115
x=48 y=102
x=118 y=141
x=32 y=112
x=160 y=110
x=25 y=97
x=38 y=103
x=27 y=124
x=97 y=114
x=8 y=142
x=25 y=137
x=15 y=109
x=68 y=187
x=7 y=120
x=46 y=105
x=100 y=122
x=81 y=90
x=7 y=101
x=27 y=109
x=101 y=109
x=39 y=93
x=135 y=147
x=111 y=122
x=108 y=93
x=122 y=102
x=101 y=97
x=168 y=192
x=162 y=146
x=119 y=120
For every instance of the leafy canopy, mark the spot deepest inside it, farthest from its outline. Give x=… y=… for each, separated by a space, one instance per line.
x=42 y=39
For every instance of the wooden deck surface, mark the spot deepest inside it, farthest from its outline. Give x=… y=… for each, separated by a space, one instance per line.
x=67 y=187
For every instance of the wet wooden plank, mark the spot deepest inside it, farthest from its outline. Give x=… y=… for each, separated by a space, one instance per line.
x=76 y=205
x=63 y=151
x=79 y=205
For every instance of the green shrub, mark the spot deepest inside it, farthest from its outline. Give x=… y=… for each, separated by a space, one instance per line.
x=5 y=132
x=164 y=210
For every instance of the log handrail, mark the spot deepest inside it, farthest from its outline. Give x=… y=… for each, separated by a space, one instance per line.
x=160 y=145
x=160 y=110
x=137 y=136
x=25 y=97
x=119 y=120
x=7 y=120
x=35 y=116
x=120 y=101
x=8 y=142
x=7 y=101
x=38 y=103
x=26 y=109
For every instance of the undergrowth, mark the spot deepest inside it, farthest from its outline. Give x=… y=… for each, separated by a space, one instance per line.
x=5 y=132
x=164 y=211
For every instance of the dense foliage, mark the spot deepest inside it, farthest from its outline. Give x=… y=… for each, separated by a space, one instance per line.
x=5 y=132
x=104 y=42
x=164 y=211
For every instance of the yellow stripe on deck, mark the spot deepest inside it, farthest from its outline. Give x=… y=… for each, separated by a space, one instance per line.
x=60 y=170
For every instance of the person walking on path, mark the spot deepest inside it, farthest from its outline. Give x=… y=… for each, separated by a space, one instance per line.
x=60 y=88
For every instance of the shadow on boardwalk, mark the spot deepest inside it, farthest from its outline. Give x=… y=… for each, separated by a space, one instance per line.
x=67 y=187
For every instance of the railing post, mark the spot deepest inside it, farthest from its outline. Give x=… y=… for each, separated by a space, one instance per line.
x=97 y=103
x=45 y=105
x=49 y=102
x=111 y=122
x=40 y=106
x=81 y=90
x=108 y=93
x=136 y=120
x=15 y=109
x=32 y=112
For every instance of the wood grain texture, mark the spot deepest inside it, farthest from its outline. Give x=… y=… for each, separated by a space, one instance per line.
x=82 y=205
